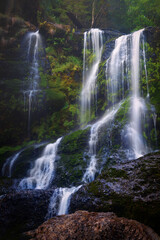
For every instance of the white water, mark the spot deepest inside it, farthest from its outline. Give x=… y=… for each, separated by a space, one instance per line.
x=93 y=43
x=42 y=173
x=61 y=197
x=117 y=69
x=123 y=75
x=125 y=58
x=89 y=175
x=34 y=45
x=8 y=165
x=137 y=103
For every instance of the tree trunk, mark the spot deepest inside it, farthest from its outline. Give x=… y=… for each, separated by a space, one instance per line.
x=93 y=12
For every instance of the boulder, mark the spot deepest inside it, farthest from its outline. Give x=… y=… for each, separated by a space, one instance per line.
x=130 y=189
x=22 y=211
x=90 y=226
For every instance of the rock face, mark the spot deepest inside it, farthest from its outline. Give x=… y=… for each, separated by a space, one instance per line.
x=22 y=211
x=85 y=225
x=129 y=189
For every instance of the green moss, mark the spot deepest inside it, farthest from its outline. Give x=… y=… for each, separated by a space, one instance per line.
x=122 y=113
x=113 y=173
x=71 y=165
x=75 y=141
x=95 y=189
x=125 y=206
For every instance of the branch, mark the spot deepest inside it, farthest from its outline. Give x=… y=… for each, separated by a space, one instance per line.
x=74 y=19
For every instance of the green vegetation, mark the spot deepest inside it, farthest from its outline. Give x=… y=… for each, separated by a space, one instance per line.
x=113 y=173
x=71 y=164
x=57 y=110
x=124 y=15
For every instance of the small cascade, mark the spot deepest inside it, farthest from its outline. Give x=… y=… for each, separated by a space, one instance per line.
x=92 y=168
x=138 y=107
x=8 y=165
x=61 y=197
x=42 y=173
x=93 y=45
x=34 y=44
x=65 y=199
x=117 y=71
x=123 y=76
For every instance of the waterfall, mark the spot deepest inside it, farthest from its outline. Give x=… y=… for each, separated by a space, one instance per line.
x=117 y=70
x=34 y=44
x=61 y=197
x=123 y=76
x=8 y=165
x=41 y=175
x=89 y=175
x=93 y=45
x=137 y=103
x=123 y=62
x=123 y=70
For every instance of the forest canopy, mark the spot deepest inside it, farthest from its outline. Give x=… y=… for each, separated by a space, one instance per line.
x=123 y=15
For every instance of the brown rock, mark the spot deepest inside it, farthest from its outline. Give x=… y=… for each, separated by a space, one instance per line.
x=84 y=225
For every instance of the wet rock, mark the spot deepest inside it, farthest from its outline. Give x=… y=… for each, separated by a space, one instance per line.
x=70 y=165
x=22 y=211
x=85 y=225
x=110 y=36
x=130 y=189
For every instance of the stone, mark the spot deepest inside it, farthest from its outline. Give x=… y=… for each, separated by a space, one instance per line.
x=130 y=189
x=83 y=225
x=23 y=210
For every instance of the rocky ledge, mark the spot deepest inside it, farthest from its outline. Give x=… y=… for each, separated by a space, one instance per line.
x=22 y=211
x=90 y=226
x=130 y=189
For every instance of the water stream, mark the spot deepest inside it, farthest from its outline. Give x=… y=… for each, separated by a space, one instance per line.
x=8 y=165
x=93 y=46
x=123 y=70
x=41 y=175
x=89 y=175
x=34 y=43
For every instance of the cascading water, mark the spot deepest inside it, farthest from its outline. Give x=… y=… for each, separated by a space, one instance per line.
x=117 y=69
x=125 y=59
x=8 y=165
x=137 y=103
x=93 y=45
x=34 y=42
x=61 y=197
x=89 y=175
x=123 y=76
x=42 y=173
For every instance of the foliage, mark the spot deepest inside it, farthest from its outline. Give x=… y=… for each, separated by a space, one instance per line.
x=142 y=13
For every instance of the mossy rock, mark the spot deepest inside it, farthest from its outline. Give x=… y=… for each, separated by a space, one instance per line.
x=129 y=189
x=70 y=165
x=26 y=161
